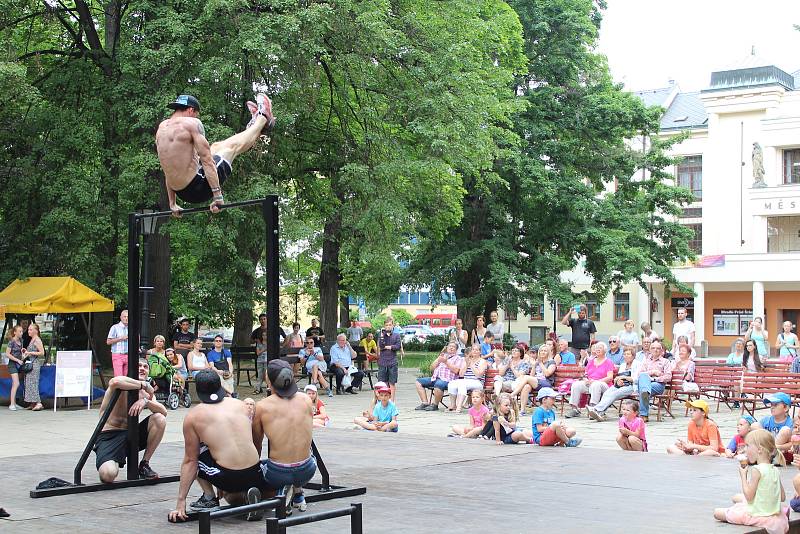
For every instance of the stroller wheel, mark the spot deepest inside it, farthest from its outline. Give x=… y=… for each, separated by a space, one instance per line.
x=187 y=400
x=173 y=401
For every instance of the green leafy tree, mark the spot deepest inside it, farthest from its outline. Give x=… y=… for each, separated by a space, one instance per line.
x=571 y=192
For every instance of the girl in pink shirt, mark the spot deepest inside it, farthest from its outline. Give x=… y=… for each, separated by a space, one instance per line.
x=478 y=415
x=631 y=435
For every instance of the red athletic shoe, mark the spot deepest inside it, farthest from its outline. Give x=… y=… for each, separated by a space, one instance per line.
x=262 y=106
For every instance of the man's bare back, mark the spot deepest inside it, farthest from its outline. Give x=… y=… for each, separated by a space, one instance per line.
x=287 y=424
x=176 y=151
x=226 y=430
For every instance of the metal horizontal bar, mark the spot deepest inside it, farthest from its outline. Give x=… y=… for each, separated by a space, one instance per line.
x=317 y=516
x=101 y=486
x=189 y=211
x=335 y=494
x=269 y=504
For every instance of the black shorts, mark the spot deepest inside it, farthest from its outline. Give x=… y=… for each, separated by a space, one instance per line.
x=113 y=444
x=387 y=373
x=198 y=189
x=230 y=480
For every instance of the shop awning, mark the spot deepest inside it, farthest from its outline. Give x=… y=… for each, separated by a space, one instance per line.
x=58 y=294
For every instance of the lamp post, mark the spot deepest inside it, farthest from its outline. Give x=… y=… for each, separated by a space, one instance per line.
x=148 y=226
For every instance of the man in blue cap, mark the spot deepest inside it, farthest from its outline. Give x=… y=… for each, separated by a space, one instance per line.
x=193 y=169
x=778 y=422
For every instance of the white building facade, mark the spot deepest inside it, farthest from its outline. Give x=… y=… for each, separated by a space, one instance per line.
x=746 y=222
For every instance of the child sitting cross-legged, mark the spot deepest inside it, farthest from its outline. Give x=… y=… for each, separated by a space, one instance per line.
x=736 y=444
x=759 y=504
x=384 y=414
x=631 y=435
x=548 y=432
x=702 y=436
x=478 y=413
x=504 y=420
x=321 y=418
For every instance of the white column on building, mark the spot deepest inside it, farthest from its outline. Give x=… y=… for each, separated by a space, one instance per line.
x=699 y=313
x=642 y=308
x=758 y=300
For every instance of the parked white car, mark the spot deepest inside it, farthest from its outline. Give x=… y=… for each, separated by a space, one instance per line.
x=418 y=331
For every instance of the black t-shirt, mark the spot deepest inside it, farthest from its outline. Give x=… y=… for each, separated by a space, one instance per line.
x=255 y=337
x=314 y=332
x=582 y=330
x=185 y=338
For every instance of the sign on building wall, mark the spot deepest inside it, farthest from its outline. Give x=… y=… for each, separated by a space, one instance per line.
x=732 y=322
x=683 y=302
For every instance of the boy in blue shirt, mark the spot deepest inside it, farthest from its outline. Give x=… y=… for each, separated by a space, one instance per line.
x=486 y=346
x=546 y=431
x=778 y=422
x=384 y=414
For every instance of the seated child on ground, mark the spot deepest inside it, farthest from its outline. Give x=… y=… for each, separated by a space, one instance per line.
x=736 y=444
x=702 y=436
x=778 y=423
x=478 y=413
x=631 y=436
x=384 y=414
x=759 y=504
x=504 y=419
x=548 y=432
x=321 y=418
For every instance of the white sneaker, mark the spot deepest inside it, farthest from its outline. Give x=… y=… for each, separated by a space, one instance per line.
x=13 y=407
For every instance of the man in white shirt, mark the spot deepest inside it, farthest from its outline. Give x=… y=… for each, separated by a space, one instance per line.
x=118 y=339
x=496 y=328
x=684 y=327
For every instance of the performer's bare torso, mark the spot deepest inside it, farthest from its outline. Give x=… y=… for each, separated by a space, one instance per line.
x=176 y=151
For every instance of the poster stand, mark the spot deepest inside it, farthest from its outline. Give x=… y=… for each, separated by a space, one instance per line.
x=73 y=376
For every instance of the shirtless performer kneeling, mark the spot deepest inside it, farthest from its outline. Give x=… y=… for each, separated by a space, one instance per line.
x=219 y=451
x=193 y=169
x=112 y=442
x=286 y=419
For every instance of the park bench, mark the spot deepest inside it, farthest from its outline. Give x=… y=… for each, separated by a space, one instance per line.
x=244 y=360
x=488 y=386
x=563 y=373
x=756 y=386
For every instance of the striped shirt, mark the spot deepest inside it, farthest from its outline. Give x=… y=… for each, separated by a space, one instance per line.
x=119 y=330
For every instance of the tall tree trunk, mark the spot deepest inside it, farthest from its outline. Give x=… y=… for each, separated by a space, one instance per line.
x=101 y=323
x=329 y=275
x=243 y=317
x=160 y=268
x=344 y=311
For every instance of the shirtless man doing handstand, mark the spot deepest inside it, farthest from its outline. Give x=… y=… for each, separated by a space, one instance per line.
x=219 y=450
x=286 y=419
x=193 y=169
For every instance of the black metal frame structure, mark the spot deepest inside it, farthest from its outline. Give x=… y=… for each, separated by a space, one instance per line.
x=269 y=210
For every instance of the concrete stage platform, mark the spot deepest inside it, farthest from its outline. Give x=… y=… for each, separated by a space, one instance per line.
x=420 y=484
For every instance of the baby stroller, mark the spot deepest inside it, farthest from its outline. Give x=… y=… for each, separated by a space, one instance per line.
x=168 y=388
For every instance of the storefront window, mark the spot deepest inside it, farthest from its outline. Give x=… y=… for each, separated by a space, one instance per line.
x=783 y=234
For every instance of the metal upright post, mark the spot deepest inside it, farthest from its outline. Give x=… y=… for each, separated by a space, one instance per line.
x=134 y=318
x=270 y=212
x=356 y=525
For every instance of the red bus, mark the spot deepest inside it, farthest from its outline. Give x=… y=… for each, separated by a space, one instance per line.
x=439 y=322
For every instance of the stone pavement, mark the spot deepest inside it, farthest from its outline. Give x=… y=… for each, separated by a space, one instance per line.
x=417 y=480
x=23 y=432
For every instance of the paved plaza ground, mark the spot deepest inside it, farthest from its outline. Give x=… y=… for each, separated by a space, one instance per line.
x=417 y=480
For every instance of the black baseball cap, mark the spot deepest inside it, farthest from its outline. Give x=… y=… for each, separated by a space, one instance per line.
x=209 y=386
x=185 y=101
x=282 y=378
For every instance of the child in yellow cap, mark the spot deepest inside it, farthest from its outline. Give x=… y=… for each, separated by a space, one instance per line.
x=702 y=436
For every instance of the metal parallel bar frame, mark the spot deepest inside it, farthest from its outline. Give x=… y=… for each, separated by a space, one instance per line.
x=336 y=492
x=76 y=475
x=278 y=526
x=205 y=518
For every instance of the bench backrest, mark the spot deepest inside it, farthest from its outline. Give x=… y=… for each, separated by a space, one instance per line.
x=488 y=382
x=566 y=372
x=4 y=371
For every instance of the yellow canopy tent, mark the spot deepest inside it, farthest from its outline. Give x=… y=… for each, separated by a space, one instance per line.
x=56 y=294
